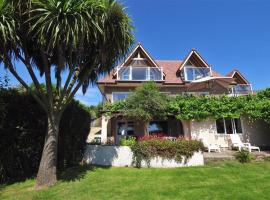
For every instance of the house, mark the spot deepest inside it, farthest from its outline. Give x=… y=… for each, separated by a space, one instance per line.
x=192 y=75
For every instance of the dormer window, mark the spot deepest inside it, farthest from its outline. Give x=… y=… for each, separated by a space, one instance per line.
x=194 y=73
x=241 y=89
x=194 y=67
x=140 y=73
x=139 y=66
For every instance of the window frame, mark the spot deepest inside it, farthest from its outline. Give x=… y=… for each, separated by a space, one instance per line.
x=113 y=93
x=234 y=129
x=185 y=71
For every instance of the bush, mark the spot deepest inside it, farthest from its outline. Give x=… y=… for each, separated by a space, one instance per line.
x=243 y=156
x=167 y=149
x=22 y=134
x=129 y=141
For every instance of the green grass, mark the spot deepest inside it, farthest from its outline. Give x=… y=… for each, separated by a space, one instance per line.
x=227 y=180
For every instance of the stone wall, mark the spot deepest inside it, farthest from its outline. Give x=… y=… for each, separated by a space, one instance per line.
x=122 y=156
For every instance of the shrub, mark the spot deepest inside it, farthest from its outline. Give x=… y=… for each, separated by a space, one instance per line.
x=129 y=141
x=22 y=134
x=243 y=156
x=166 y=149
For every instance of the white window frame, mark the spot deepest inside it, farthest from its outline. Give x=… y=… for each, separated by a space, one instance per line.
x=119 y=93
x=147 y=75
x=233 y=126
x=192 y=67
x=234 y=93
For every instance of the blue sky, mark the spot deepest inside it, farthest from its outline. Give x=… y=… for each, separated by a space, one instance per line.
x=227 y=33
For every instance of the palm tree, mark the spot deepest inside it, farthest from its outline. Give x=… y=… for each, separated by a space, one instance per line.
x=83 y=38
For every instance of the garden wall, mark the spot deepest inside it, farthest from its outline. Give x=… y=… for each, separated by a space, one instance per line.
x=121 y=156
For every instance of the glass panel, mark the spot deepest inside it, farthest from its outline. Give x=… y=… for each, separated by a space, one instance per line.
x=155 y=74
x=238 y=126
x=130 y=128
x=121 y=128
x=119 y=96
x=242 y=89
x=189 y=74
x=139 y=73
x=220 y=126
x=194 y=73
x=158 y=127
x=229 y=127
x=124 y=73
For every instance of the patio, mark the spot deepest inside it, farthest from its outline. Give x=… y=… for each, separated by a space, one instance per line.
x=229 y=155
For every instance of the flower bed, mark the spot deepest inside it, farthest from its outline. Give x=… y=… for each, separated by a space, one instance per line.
x=150 y=147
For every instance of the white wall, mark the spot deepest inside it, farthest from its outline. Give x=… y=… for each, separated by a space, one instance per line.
x=256 y=132
x=121 y=156
x=207 y=129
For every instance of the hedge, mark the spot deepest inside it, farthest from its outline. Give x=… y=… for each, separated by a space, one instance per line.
x=22 y=132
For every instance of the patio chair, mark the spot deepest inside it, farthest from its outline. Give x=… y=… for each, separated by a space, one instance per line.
x=210 y=147
x=237 y=143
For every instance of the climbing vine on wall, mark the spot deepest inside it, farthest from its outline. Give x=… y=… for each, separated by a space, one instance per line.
x=256 y=106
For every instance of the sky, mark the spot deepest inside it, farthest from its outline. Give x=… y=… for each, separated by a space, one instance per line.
x=227 y=33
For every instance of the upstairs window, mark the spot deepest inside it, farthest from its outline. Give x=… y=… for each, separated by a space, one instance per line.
x=124 y=73
x=194 y=73
x=119 y=96
x=241 y=89
x=140 y=73
x=229 y=126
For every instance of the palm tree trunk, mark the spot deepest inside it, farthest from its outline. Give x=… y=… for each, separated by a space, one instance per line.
x=47 y=172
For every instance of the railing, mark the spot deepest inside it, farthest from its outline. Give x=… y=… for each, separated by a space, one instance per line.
x=194 y=73
x=140 y=73
x=241 y=89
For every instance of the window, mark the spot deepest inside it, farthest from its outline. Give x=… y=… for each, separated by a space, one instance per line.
x=158 y=127
x=119 y=96
x=237 y=125
x=139 y=73
x=220 y=126
x=195 y=73
x=155 y=74
x=130 y=128
x=124 y=73
x=228 y=126
x=125 y=128
x=241 y=89
x=121 y=128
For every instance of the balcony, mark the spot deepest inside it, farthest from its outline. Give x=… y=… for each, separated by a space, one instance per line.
x=194 y=73
x=241 y=89
x=131 y=73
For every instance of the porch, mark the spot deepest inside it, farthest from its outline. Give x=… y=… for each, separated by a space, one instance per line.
x=115 y=128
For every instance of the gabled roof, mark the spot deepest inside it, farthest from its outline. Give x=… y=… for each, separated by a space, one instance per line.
x=169 y=67
x=194 y=56
x=137 y=50
x=239 y=78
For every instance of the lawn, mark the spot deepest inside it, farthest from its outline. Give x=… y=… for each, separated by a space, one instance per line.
x=228 y=180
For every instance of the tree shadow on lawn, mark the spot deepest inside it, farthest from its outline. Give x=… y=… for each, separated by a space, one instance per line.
x=78 y=172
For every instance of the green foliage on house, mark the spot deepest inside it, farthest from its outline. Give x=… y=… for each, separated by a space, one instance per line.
x=147 y=103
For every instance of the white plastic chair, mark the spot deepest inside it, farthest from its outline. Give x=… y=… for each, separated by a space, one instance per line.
x=237 y=143
x=210 y=147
